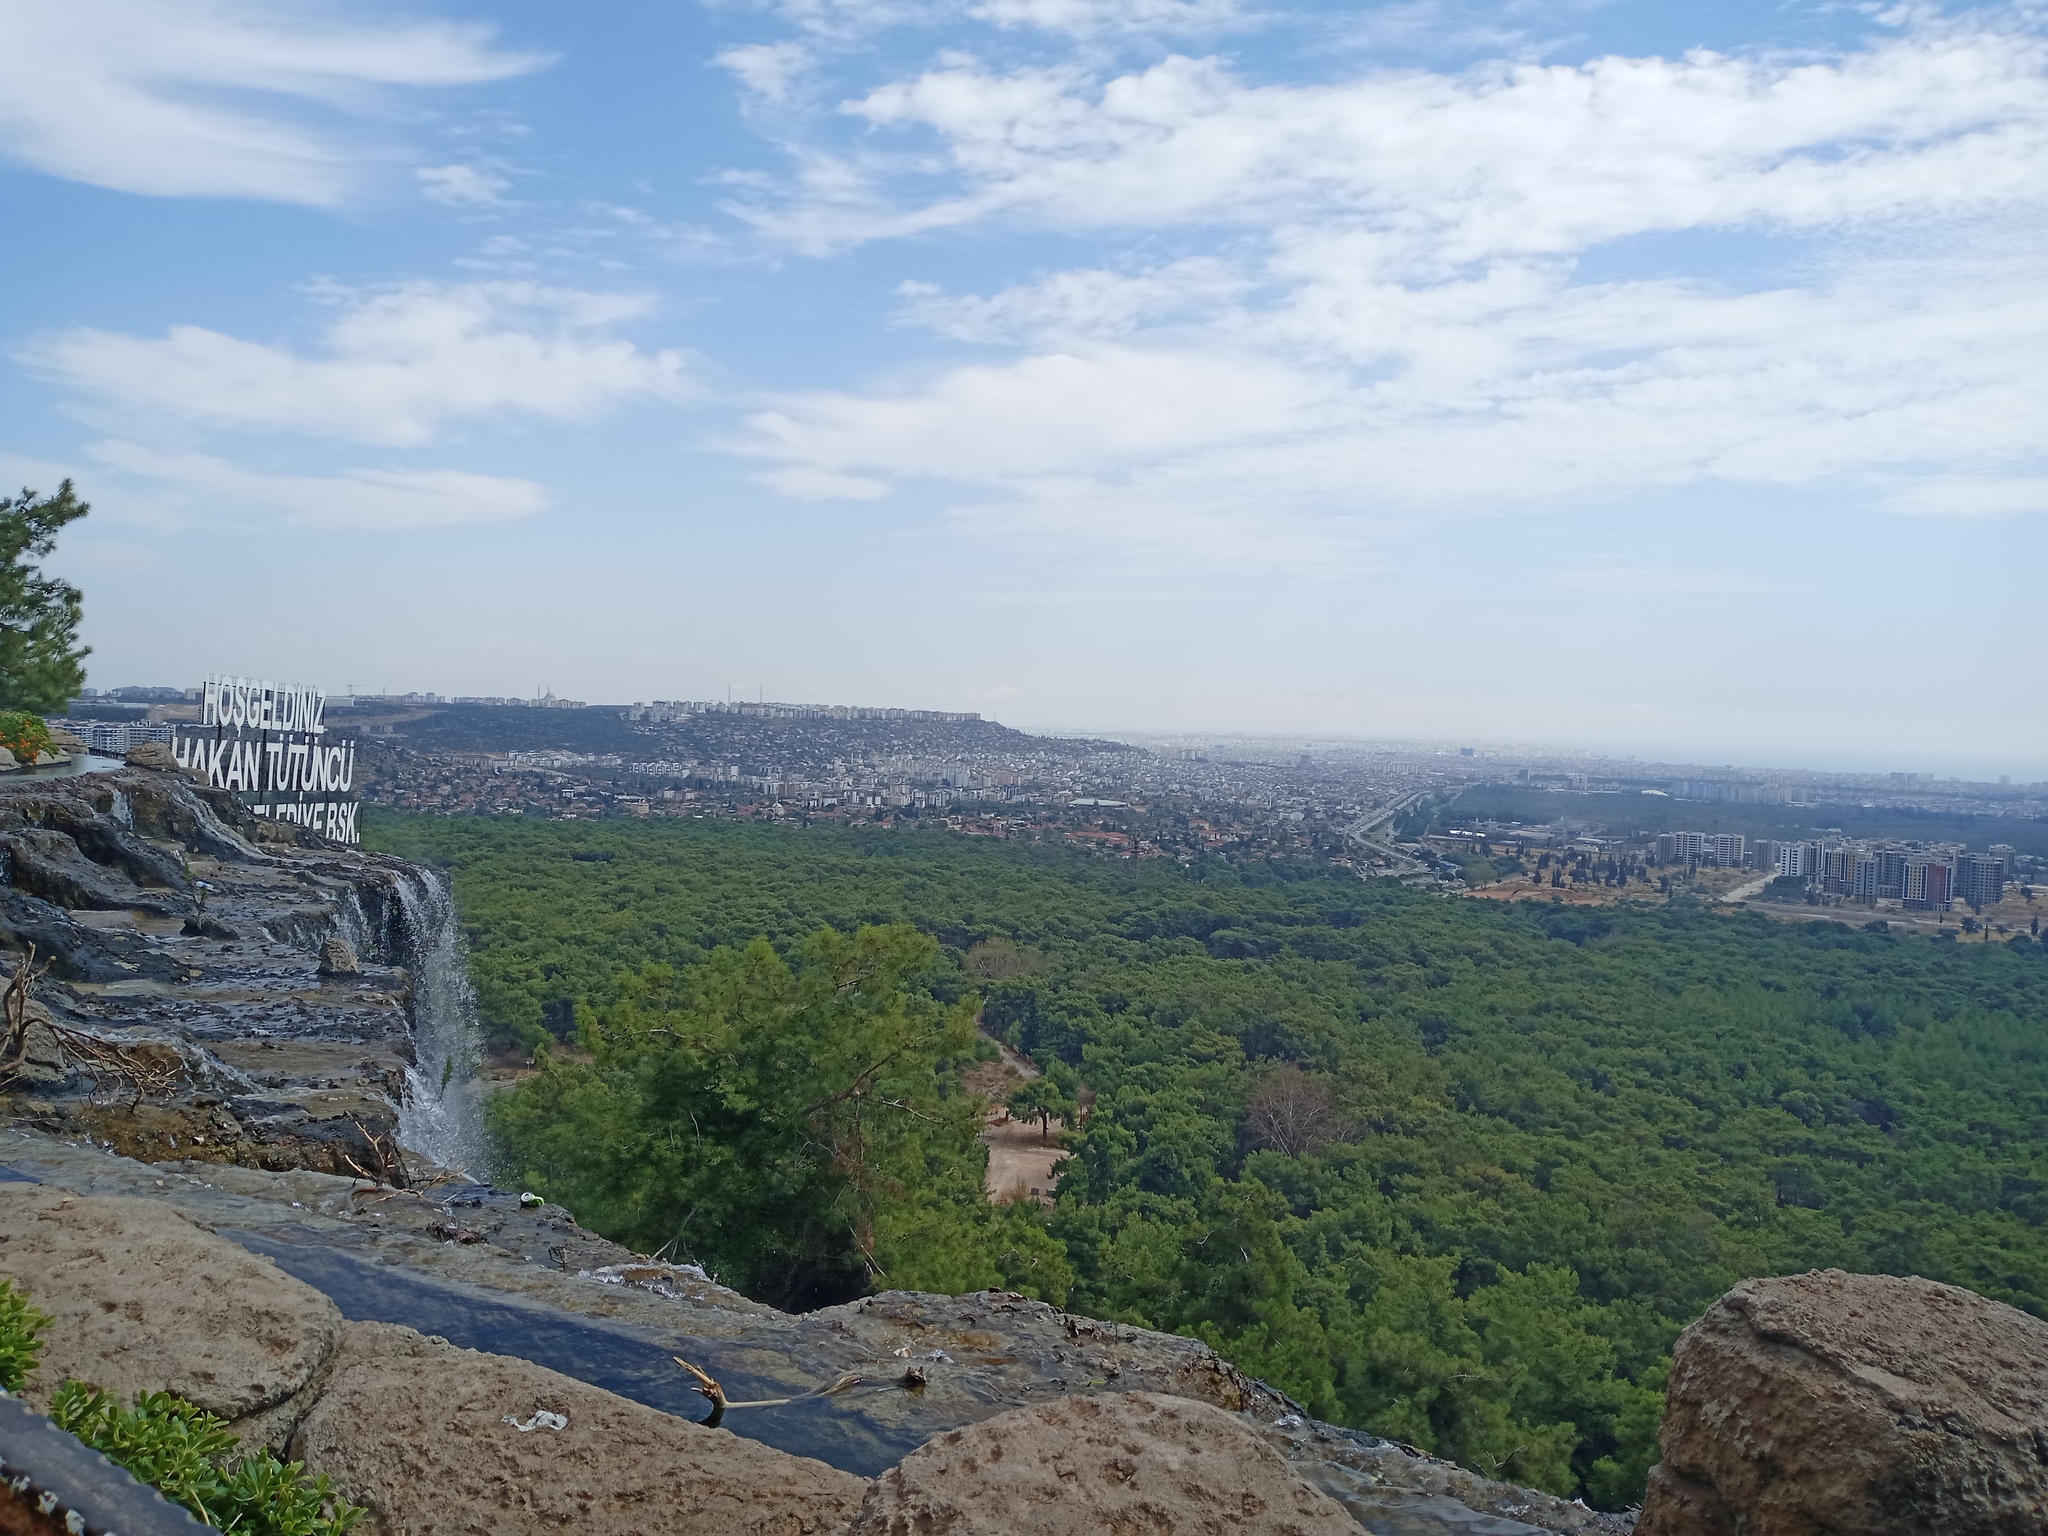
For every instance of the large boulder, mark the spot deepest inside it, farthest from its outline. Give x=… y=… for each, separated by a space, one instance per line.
x=1127 y=1462
x=144 y=1301
x=440 y=1441
x=1831 y=1404
x=153 y=754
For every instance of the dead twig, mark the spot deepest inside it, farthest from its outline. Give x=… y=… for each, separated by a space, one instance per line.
x=106 y=1062
x=111 y=1064
x=708 y=1388
x=14 y=1017
x=385 y=1153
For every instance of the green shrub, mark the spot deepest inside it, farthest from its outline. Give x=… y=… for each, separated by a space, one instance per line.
x=25 y=735
x=185 y=1452
x=20 y=1323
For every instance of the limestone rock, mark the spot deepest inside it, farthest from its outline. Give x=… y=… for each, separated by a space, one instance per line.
x=1131 y=1461
x=1832 y=1404
x=111 y=875
x=55 y=866
x=417 y=1430
x=144 y=1301
x=337 y=958
x=153 y=754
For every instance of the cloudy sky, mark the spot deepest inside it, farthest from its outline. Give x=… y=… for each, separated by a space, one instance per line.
x=1650 y=375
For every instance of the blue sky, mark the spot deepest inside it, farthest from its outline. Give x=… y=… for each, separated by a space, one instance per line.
x=1658 y=377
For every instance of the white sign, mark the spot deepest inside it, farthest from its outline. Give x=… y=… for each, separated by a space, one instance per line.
x=267 y=743
x=266 y=706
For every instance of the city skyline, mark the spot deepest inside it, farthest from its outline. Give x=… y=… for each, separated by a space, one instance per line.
x=1754 y=782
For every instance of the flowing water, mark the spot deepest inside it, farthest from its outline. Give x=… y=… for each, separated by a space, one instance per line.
x=441 y=1117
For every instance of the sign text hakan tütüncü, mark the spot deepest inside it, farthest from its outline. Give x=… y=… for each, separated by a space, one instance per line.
x=268 y=744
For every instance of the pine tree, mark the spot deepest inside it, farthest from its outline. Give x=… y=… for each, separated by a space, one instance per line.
x=41 y=662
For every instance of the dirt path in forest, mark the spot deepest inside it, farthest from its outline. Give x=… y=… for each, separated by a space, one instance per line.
x=1020 y=1159
x=1020 y=1164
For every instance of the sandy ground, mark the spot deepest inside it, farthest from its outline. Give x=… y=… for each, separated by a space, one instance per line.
x=1020 y=1164
x=1020 y=1159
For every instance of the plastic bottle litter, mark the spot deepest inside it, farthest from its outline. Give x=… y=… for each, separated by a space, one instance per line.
x=542 y=1419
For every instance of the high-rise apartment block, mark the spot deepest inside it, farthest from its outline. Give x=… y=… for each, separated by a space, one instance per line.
x=1721 y=850
x=1927 y=884
x=1980 y=879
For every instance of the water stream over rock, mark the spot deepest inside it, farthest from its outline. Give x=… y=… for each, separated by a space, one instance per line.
x=440 y=1115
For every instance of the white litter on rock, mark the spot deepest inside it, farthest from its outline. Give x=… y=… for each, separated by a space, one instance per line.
x=541 y=1419
x=667 y=1280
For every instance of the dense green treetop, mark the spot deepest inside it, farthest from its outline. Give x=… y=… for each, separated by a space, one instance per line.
x=1453 y=1170
x=41 y=662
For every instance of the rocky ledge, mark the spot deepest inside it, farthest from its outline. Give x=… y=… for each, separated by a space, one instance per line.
x=195 y=983
x=507 y=1308
x=1823 y=1403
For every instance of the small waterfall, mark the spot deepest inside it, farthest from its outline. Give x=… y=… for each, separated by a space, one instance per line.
x=354 y=922
x=442 y=1116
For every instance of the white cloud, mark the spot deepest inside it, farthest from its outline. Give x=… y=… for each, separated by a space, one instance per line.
x=361 y=499
x=398 y=364
x=1518 y=389
x=1091 y=302
x=462 y=185
x=1048 y=414
x=1397 y=320
x=218 y=98
x=801 y=484
x=1093 y=18
x=1966 y=496
x=855 y=22
x=1446 y=169
x=769 y=70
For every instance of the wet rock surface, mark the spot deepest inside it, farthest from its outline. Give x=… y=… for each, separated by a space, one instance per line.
x=1124 y=1461
x=201 y=993
x=471 y=1265
x=141 y=1300
x=500 y=1447
x=1854 y=1405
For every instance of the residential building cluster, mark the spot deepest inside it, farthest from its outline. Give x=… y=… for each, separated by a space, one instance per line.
x=666 y=710
x=1923 y=879
x=118 y=738
x=1920 y=877
x=1703 y=850
x=543 y=700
